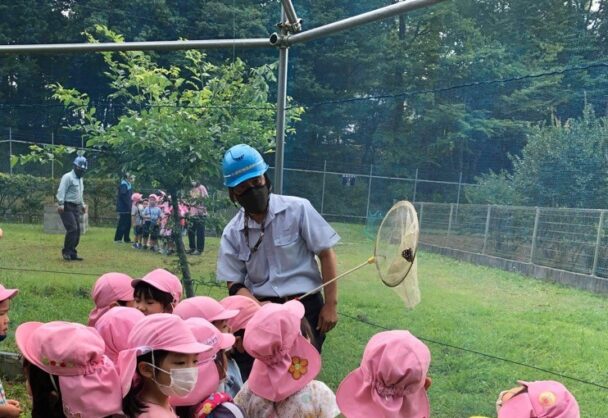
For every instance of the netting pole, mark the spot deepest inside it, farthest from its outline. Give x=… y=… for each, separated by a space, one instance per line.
x=534 y=232
x=598 y=241
x=281 y=105
x=10 y=150
x=369 y=189
x=415 y=186
x=323 y=188
x=447 y=238
x=458 y=194
x=485 y=234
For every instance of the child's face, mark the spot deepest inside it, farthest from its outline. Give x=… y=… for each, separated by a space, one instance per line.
x=174 y=361
x=149 y=306
x=222 y=325
x=4 y=308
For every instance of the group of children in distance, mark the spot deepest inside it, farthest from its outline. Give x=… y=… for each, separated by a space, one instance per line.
x=153 y=223
x=147 y=354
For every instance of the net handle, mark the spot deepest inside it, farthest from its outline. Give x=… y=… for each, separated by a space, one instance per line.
x=370 y=260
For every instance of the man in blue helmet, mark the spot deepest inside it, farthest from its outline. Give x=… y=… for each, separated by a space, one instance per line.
x=267 y=251
x=70 y=206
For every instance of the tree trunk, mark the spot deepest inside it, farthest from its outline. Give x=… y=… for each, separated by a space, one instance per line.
x=179 y=247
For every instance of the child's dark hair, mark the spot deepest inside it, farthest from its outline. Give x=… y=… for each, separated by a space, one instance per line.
x=306 y=331
x=185 y=411
x=144 y=290
x=46 y=400
x=132 y=406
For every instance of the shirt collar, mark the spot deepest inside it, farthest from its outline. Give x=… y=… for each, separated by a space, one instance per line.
x=275 y=205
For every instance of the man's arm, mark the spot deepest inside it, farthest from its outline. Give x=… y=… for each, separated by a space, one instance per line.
x=242 y=290
x=328 y=317
x=63 y=188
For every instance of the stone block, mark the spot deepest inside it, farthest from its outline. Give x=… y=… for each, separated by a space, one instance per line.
x=53 y=225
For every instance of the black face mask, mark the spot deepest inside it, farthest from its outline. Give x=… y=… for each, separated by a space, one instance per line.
x=79 y=172
x=2 y=337
x=255 y=199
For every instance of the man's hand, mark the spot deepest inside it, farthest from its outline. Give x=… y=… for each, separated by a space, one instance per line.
x=12 y=409
x=328 y=318
x=84 y=209
x=60 y=210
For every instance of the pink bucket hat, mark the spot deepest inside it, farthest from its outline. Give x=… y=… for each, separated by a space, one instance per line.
x=108 y=289
x=115 y=326
x=390 y=381
x=247 y=307
x=203 y=307
x=208 y=376
x=136 y=197
x=88 y=380
x=285 y=361
x=543 y=399
x=163 y=281
x=7 y=293
x=156 y=332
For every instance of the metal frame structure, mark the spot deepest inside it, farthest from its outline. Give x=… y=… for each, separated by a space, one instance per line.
x=290 y=33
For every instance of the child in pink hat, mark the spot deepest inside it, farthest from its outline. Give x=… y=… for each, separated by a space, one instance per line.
x=8 y=407
x=110 y=290
x=115 y=326
x=541 y=399
x=157 y=292
x=137 y=218
x=247 y=307
x=161 y=362
x=211 y=310
x=281 y=383
x=392 y=380
x=210 y=372
x=67 y=372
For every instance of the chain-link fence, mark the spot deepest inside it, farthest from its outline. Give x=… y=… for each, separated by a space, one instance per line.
x=574 y=240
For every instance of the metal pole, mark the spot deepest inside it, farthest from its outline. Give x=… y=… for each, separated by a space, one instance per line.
x=369 y=189
x=447 y=239
x=534 y=232
x=323 y=188
x=351 y=22
x=292 y=17
x=420 y=216
x=458 y=195
x=281 y=105
x=10 y=150
x=598 y=241
x=485 y=235
x=415 y=186
x=136 y=46
x=53 y=160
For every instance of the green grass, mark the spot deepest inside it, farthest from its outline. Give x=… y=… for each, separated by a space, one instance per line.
x=482 y=309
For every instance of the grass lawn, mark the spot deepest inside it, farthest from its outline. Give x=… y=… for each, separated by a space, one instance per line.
x=477 y=308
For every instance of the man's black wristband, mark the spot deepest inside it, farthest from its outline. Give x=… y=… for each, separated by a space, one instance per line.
x=233 y=290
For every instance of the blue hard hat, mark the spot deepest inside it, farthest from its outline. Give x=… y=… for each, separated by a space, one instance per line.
x=81 y=162
x=241 y=163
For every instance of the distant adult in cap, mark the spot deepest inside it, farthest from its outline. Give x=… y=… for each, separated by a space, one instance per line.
x=71 y=205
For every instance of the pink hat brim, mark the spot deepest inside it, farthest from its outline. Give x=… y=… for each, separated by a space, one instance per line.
x=207 y=383
x=518 y=406
x=8 y=294
x=275 y=383
x=227 y=341
x=355 y=398
x=225 y=314
x=22 y=337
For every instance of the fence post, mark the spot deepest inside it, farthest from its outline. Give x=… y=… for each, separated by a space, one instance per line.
x=485 y=234
x=420 y=216
x=10 y=150
x=447 y=240
x=534 y=232
x=323 y=188
x=415 y=187
x=598 y=240
x=53 y=160
x=369 y=190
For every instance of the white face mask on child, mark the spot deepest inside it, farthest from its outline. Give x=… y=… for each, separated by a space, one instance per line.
x=182 y=383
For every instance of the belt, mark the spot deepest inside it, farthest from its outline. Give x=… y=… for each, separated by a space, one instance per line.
x=282 y=299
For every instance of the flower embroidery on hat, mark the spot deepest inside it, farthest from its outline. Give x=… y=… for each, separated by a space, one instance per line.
x=388 y=391
x=547 y=399
x=56 y=363
x=298 y=368
x=69 y=414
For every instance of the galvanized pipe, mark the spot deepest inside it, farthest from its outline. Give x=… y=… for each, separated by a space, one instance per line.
x=351 y=22
x=279 y=155
x=135 y=46
x=294 y=22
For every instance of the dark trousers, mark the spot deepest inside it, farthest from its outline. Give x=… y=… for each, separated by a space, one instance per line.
x=312 y=309
x=196 y=234
x=123 y=228
x=71 y=222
